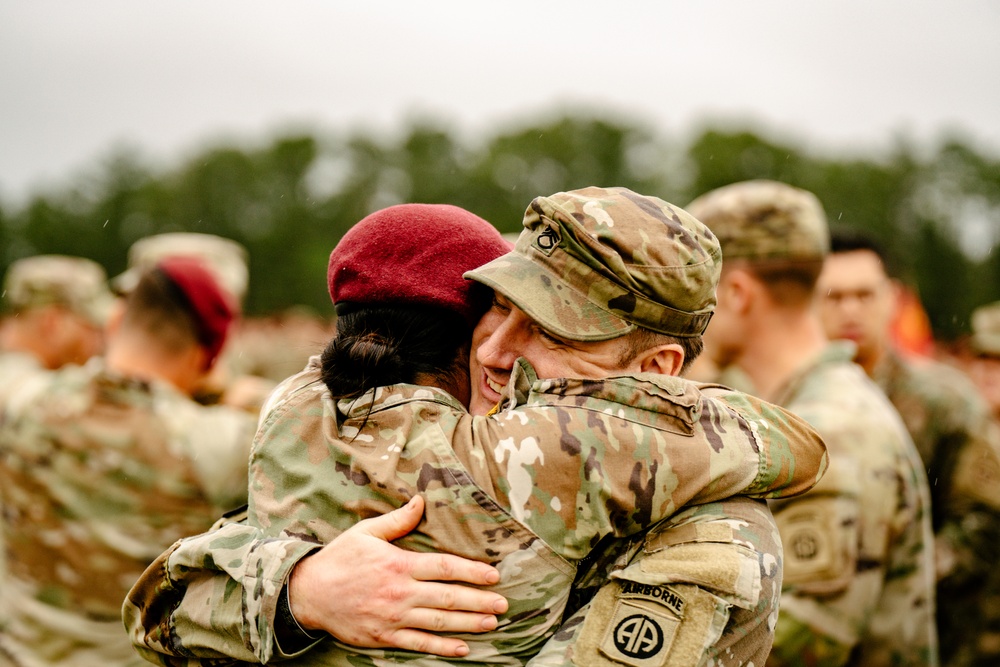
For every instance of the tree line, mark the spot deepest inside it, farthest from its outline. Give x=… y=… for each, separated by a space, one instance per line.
x=289 y=200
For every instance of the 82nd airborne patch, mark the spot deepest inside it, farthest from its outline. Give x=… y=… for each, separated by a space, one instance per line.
x=644 y=624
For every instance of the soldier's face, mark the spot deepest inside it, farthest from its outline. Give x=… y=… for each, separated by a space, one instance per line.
x=505 y=333
x=856 y=300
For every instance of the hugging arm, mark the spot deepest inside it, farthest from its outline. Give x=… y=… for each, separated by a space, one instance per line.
x=216 y=595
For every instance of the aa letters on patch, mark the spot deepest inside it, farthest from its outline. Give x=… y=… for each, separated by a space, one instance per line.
x=638 y=635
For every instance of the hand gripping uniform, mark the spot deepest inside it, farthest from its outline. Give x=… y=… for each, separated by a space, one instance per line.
x=959 y=442
x=859 y=570
x=532 y=489
x=99 y=474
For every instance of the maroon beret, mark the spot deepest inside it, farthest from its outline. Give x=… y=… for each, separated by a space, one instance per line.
x=210 y=304
x=414 y=254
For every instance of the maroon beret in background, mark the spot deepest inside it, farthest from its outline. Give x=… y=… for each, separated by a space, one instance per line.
x=414 y=254
x=211 y=305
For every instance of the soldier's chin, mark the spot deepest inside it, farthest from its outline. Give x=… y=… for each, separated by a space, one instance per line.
x=480 y=403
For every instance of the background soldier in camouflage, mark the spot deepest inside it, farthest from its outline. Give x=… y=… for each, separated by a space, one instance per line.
x=227 y=260
x=858 y=547
x=953 y=430
x=566 y=512
x=54 y=311
x=984 y=346
x=102 y=466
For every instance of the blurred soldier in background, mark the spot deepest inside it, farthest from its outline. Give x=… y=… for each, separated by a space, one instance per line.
x=858 y=586
x=103 y=466
x=55 y=309
x=953 y=430
x=984 y=346
x=227 y=260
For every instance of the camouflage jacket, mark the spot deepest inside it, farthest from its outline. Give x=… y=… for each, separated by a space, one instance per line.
x=859 y=580
x=959 y=442
x=99 y=474
x=530 y=489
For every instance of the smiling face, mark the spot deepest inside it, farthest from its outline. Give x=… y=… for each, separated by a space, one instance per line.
x=505 y=333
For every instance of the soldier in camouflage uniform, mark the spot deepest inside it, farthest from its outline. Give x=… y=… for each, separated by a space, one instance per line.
x=229 y=383
x=55 y=308
x=984 y=344
x=102 y=466
x=953 y=430
x=535 y=485
x=54 y=311
x=858 y=547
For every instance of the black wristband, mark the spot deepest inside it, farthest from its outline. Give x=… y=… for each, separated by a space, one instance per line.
x=291 y=636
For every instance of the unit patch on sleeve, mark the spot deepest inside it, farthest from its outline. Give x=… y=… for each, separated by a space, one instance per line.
x=647 y=625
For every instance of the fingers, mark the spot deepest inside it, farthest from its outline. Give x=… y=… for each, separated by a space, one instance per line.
x=437 y=620
x=445 y=567
x=434 y=596
x=395 y=524
x=423 y=642
x=426 y=567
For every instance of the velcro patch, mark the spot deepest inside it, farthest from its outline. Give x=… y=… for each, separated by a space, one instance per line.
x=977 y=474
x=640 y=634
x=821 y=543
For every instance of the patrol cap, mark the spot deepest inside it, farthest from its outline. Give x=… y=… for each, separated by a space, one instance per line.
x=414 y=254
x=210 y=304
x=762 y=220
x=76 y=283
x=593 y=264
x=225 y=258
x=986 y=330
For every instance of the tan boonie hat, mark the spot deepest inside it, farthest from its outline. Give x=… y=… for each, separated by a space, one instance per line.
x=76 y=283
x=225 y=258
x=986 y=330
x=763 y=220
x=593 y=264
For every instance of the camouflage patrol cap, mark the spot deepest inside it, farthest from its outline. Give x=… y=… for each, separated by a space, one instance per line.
x=76 y=283
x=986 y=329
x=225 y=258
x=593 y=264
x=761 y=220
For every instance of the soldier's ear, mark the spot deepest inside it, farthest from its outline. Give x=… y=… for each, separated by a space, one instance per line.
x=663 y=359
x=736 y=291
x=115 y=316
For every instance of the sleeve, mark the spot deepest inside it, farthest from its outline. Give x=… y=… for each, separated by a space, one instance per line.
x=212 y=596
x=704 y=586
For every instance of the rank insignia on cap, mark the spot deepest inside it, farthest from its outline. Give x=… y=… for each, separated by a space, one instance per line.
x=547 y=241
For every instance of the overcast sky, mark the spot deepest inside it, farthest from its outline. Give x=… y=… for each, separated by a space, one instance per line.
x=78 y=78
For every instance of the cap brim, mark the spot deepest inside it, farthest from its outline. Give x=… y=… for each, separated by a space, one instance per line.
x=547 y=299
x=125 y=282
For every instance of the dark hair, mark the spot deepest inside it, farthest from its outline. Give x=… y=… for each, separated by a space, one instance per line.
x=383 y=345
x=789 y=281
x=642 y=339
x=159 y=308
x=850 y=239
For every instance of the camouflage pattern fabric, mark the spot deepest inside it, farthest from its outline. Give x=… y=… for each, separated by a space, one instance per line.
x=19 y=371
x=76 y=283
x=960 y=445
x=859 y=569
x=765 y=220
x=98 y=474
x=986 y=329
x=531 y=489
x=592 y=264
x=719 y=564
x=226 y=259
